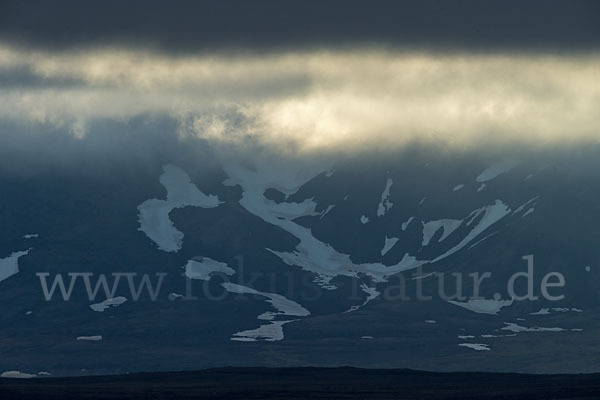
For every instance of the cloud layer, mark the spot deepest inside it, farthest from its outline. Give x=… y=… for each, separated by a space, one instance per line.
x=314 y=100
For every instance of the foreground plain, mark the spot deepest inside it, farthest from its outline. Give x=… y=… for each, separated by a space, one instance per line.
x=304 y=383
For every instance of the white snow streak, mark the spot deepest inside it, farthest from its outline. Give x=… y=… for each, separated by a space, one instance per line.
x=114 y=302
x=9 y=266
x=154 y=213
x=496 y=169
x=384 y=204
x=202 y=268
x=483 y=306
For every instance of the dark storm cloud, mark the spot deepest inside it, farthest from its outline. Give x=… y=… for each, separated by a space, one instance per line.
x=271 y=24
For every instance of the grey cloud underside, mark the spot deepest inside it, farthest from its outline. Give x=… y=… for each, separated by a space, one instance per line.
x=190 y=25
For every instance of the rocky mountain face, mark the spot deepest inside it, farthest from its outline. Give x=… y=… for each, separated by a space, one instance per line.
x=418 y=258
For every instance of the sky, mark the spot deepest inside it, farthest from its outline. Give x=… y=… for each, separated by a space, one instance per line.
x=297 y=76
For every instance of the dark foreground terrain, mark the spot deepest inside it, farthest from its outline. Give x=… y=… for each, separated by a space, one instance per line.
x=303 y=383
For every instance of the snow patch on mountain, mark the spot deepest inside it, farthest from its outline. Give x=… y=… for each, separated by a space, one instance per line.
x=495 y=170
x=328 y=263
x=95 y=338
x=430 y=228
x=385 y=204
x=548 y=311
x=174 y=296
x=283 y=305
x=271 y=332
x=293 y=210
x=202 y=267
x=483 y=239
x=417 y=276
x=510 y=326
x=326 y=211
x=525 y=205
x=483 y=306
x=113 y=302
x=153 y=214
x=16 y=375
x=312 y=254
x=372 y=294
x=406 y=223
x=488 y=216
x=389 y=244
x=475 y=346
x=542 y=311
x=9 y=266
